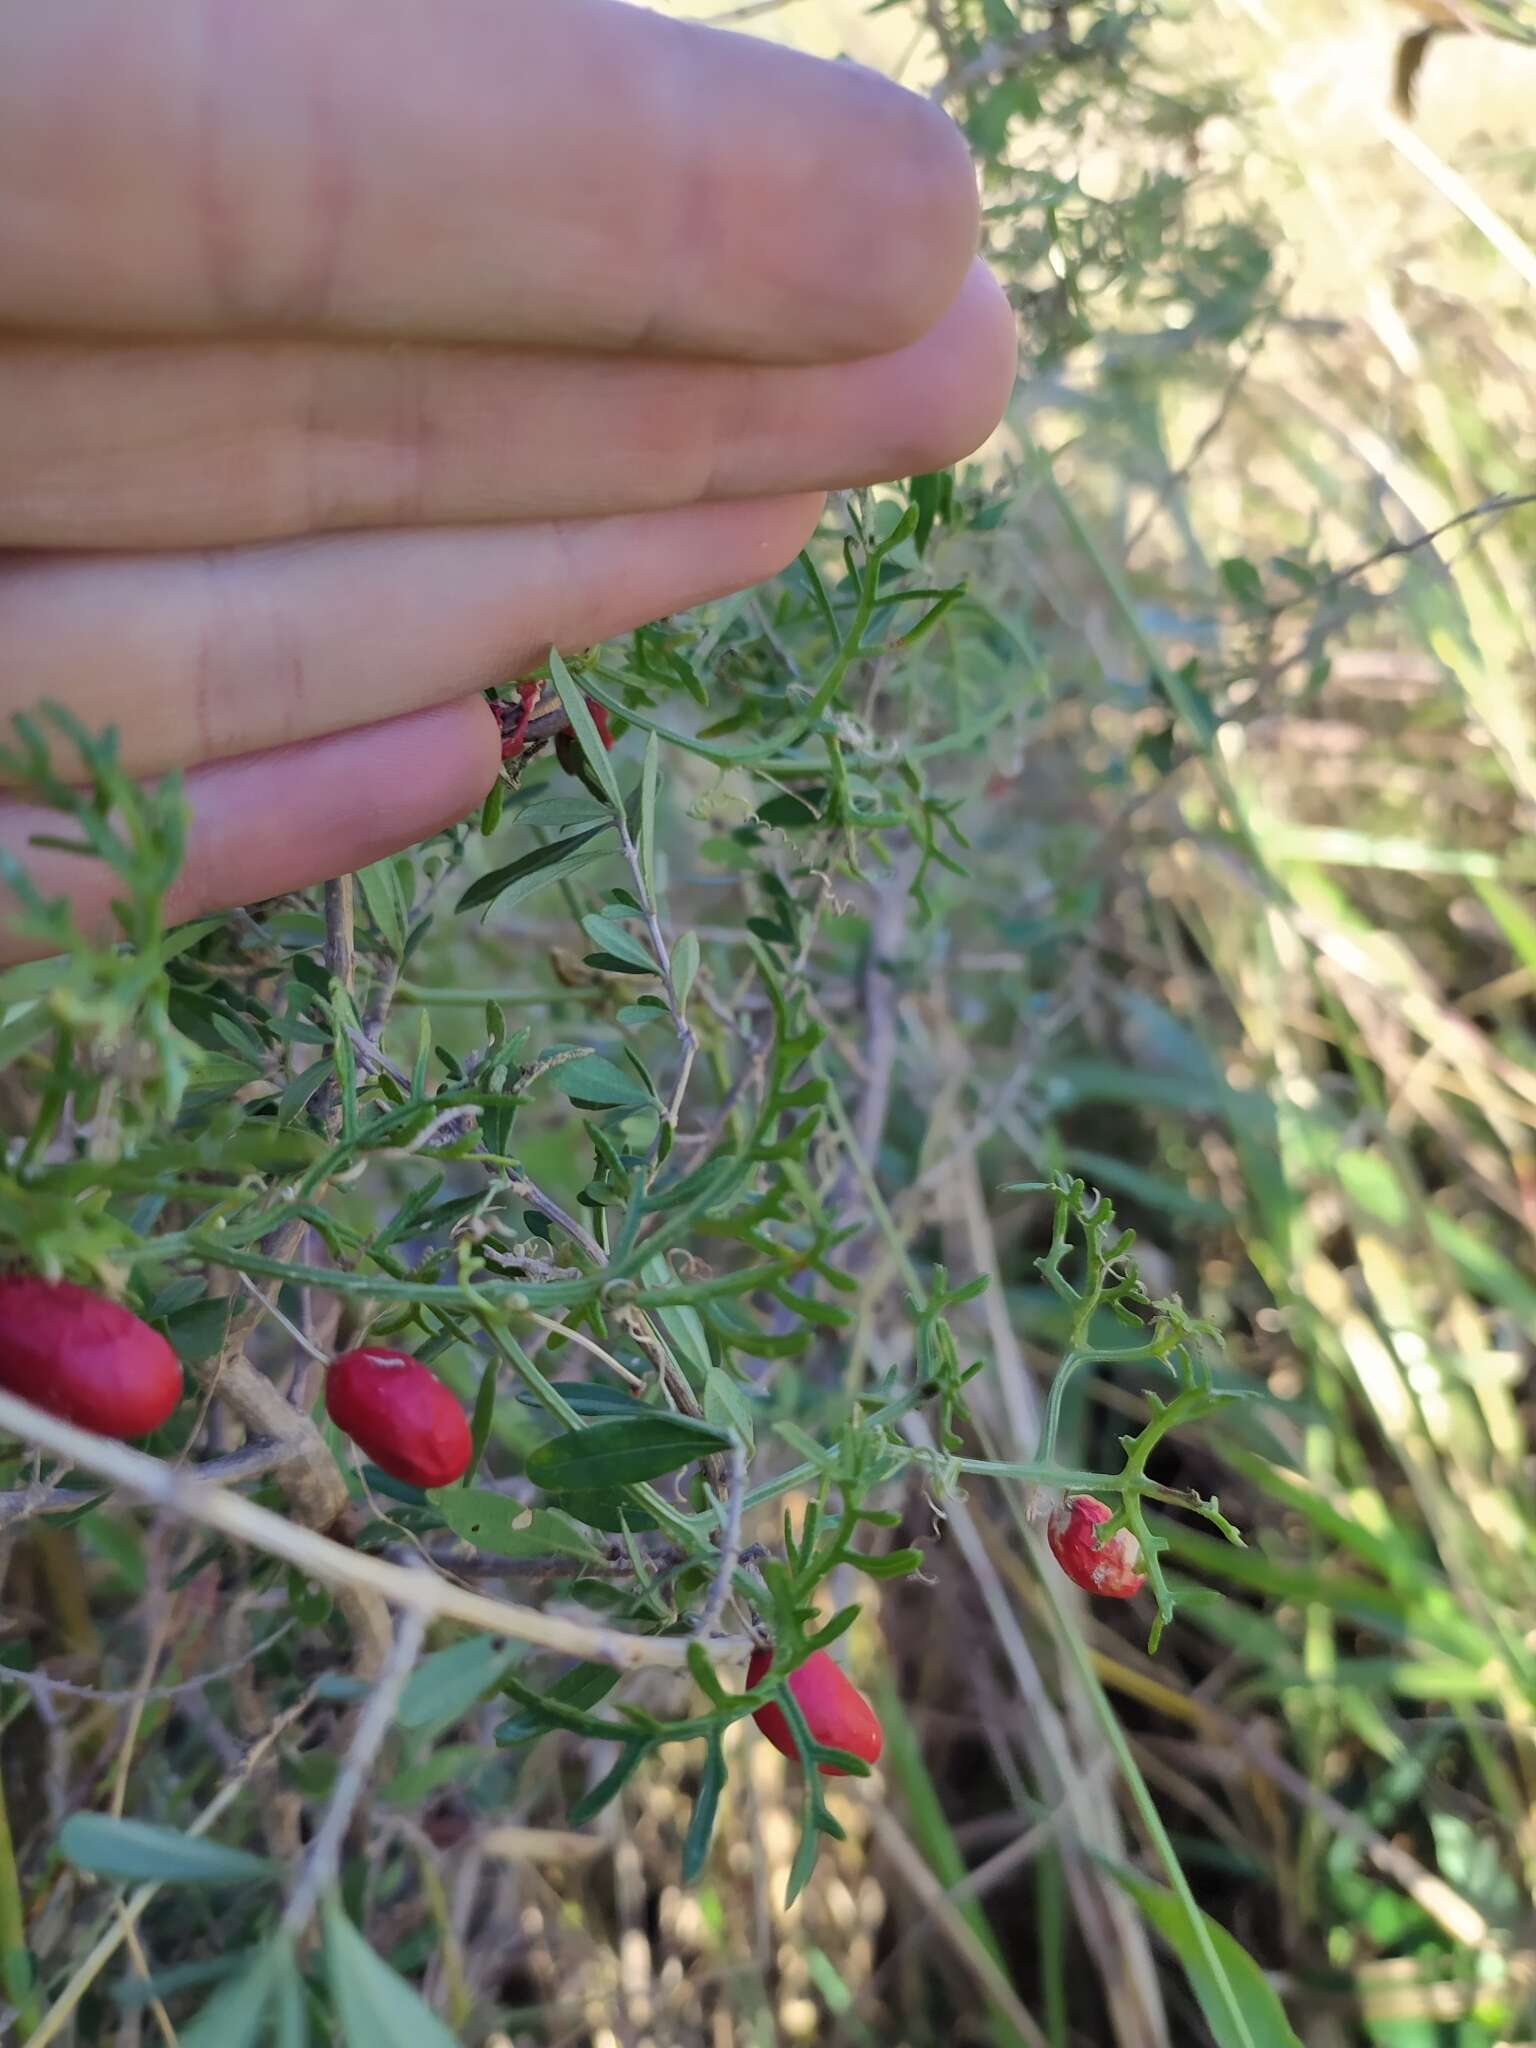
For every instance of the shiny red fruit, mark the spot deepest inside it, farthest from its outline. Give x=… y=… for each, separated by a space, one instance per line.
x=568 y=747
x=835 y=1711
x=1112 y=1569
x=400 y=1415
x=83 y=1358
x=600 y=720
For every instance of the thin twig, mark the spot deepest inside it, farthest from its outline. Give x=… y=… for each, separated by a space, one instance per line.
x=586 y=1343
x=271 y=1308
x=1504 y=501
x=340 y=955
x=250 y=1462
x=140 y=1963
x=372 y=1056
x=351 y=1570
x=518 y=1184
x=324 y=1858
x=966 y=1944
x=42 y=1683
x=730 y=1544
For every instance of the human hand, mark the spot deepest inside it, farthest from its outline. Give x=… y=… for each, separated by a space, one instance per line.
x=353 y=354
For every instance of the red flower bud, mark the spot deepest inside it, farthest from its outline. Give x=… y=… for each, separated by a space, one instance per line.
x=514 y=721
x=835 y=1711
x=400 y=1415
x=1109 y=1569
x=83 y=1358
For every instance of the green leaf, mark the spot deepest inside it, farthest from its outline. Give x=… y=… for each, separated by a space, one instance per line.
x=611 y=1512
x=805 y=1860
x=727 y=1406
x=510 y=1528
x=308 y=1082
x=1263 y=2015
x=1242 y=580
x=491 y=809
x=521 y=878
x=574 y=705
x=685 y=966
x=484 y=1416
x=598 y=1083
x=583 y=1686
x=449 y=1764
x=650 y=769
x=896 y=1564
x=705 y=1806
x=631 y=1756
x=233 y=2017
x=423 y=1058
x=705 y=1676
x=26 y=983
x=623 y=1453
x=24 y=1029
x=447 y=1683
x=17 y=1974
x=136 y=1851
x=552 y=811
x=386 y=903
x=376 y=2008
x=587 y=1397
x=292 y=2028
x=613 y=941
x=791 y=810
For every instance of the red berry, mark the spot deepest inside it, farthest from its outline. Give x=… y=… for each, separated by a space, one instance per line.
x=600 y=720
x=568 y=747
x=400 y=1414
x=86 y=1359
x=514 y=723
x=1110 y=1569
x=835 y=1711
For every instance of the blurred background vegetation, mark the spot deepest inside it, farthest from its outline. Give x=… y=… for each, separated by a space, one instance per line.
x=1214 y=885
x=1247 y=937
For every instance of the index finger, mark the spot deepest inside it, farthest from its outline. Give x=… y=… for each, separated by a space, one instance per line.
x=557 y=172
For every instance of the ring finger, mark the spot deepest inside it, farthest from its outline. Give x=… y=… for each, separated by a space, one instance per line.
x=198 y=657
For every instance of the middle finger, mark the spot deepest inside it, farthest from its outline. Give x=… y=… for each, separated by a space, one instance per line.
x=180 y=444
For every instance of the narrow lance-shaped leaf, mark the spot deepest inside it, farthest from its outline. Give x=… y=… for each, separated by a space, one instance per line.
x=705 y=1806
x=564 y=1705
x=375 y=2007
x=574 y=706
x=234 y=2017
x=631 y=1756
x=138 y=1852
x=623 y=1453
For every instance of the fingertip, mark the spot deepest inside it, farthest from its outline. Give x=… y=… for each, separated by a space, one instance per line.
x=932 y=207
x=263 y=824
x=789 y=528
x=982 y=337
x=851 y=204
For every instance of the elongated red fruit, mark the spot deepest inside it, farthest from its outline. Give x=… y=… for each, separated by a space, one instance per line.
x=1112 y=1569
x=835 y=1711
x=400 y=1414
x=86 y=1359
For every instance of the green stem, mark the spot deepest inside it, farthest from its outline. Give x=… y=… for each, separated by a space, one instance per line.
x=796 y=730
x=1151 y=1819
x=14 y=1953
x=1067 y=1635
x=681 y=1526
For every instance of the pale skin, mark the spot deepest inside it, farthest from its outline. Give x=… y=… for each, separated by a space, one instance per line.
x=354 y=352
